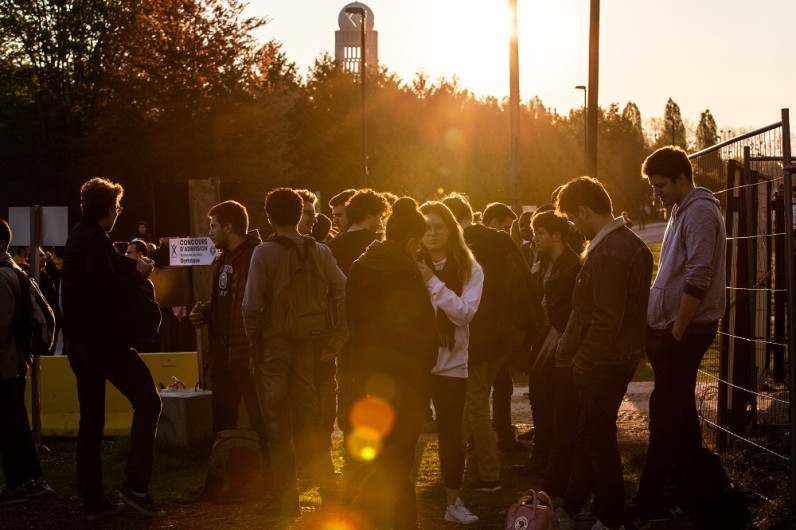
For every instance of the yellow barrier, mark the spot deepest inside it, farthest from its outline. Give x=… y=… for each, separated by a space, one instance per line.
x=60 y=412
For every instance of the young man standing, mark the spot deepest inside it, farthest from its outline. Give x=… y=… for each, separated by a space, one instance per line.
x=93 y=277
x=308 y=213
x=686 y=303
x=603 y=342
x=337 y=204
x=230 y=351
x=21 y=467
x=283 y=365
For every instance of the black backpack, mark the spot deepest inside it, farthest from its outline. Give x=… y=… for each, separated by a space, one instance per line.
x=34 y=322
x=706 y=494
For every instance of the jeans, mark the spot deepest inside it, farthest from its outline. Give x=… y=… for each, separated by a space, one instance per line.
x=229 y=388
x=382 y=490
x=284 y=373
x=326 y=387
x=598 y=465
x=20 y=462
x=92 y=365
x=674 y=422
x=476 y=421
x=501 y=402
x=448 y=394
x=566 y=416
x=542 y=391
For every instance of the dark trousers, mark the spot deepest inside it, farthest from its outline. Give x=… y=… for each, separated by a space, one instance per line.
x=326 y=387
x=674 y=422
x=598 y=465
x=502 y=389
x=382 y=490
x=566 y=416
x=93 y=365
x=447 y=394
x=542 y=390
x=20 y=462
x=230 y=387
x=284 y=372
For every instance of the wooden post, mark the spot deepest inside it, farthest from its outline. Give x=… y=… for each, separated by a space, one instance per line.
x=202 y=195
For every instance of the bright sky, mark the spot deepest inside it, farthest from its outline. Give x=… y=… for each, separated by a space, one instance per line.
x=732 y=57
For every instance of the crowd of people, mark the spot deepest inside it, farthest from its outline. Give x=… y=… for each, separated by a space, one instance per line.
x=403 y=308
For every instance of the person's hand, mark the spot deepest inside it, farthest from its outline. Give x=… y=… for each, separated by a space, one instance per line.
x=145 y=266
x=197 y=316
x=425 y=270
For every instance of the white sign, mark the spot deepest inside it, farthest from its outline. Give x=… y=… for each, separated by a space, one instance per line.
x=190 y=251
x=54 y=225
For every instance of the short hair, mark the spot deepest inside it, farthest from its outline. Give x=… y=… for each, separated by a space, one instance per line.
x=140 y=246
x=233 y=213
x=459 y=205
x=320 y=230
x=341 y=198
x=284 y=206
x=365 y=202
x=307 y=196
x=405 y=221
x=667 y=162
x=584 y=191
x=142 y=222
x=390 y=197
x=97 y=196
x=497 y=210
x=5 y=235
x=552 y=223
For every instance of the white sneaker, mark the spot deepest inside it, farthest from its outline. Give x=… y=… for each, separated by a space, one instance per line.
x=458 y=513
x=599 y=526
x=565 y=521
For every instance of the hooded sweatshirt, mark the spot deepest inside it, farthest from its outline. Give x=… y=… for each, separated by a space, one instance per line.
x=393 y=330
x=692 y=261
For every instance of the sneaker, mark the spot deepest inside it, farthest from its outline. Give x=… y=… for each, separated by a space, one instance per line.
x=510 y=445
x=565 y=521
x=36 y=488
x=15 y=496
x=484 y=485
x=275 y=507
x=458 y=513
x=146 y=504
x=599 y=526
x=102 y=509
x=527 y=436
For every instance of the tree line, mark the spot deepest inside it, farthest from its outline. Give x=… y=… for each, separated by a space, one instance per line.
x=156 y=91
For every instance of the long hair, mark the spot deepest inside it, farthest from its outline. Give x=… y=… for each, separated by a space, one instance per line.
x=457 y=248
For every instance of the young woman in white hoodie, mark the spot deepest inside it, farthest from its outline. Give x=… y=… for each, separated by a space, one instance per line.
x=455 y=281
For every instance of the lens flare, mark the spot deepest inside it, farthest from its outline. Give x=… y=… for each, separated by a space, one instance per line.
x=380 y=386
x=364 y=444
x=374 y=413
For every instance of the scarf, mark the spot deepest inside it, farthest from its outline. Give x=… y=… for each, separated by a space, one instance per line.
x=449 y=274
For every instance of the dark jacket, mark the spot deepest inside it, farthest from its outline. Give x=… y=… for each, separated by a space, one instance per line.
x=230 y=347
x=92 y=278
x=490 y=329
x=609 y=303
x=558 y=288
x=392 y=325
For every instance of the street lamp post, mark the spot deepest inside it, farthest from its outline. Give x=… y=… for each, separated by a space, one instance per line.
x=362 y=62
x=585 y=129
x=514 y=111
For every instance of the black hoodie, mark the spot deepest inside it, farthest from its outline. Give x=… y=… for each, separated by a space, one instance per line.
x=393 y=329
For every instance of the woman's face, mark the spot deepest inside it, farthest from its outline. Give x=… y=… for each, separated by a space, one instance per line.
x=437 y=233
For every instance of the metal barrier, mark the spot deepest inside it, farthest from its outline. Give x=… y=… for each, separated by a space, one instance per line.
x=743 y=388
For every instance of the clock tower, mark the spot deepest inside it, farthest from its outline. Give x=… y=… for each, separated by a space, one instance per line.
x=348 y=39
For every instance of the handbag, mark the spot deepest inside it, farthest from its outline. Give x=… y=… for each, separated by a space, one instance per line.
x=532 y=512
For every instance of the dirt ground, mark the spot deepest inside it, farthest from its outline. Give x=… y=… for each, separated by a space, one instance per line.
x=174 y=475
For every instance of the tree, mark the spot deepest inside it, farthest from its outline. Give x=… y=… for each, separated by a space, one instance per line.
x=706 y=133
x=674 y=132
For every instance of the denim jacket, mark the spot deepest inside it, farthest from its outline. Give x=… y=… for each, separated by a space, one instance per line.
x=609 y=303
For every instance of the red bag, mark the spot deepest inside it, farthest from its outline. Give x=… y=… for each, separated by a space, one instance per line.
x=534 y=511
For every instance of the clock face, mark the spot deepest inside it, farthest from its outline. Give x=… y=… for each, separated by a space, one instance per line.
x=353 y=21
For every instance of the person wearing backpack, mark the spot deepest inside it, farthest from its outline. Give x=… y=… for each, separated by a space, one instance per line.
x=106 y=311
x=284 y=310
x=21 y=467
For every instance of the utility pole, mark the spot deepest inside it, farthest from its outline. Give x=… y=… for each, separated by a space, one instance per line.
x=594 y=76
x=585 y=129
x=514 y=111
